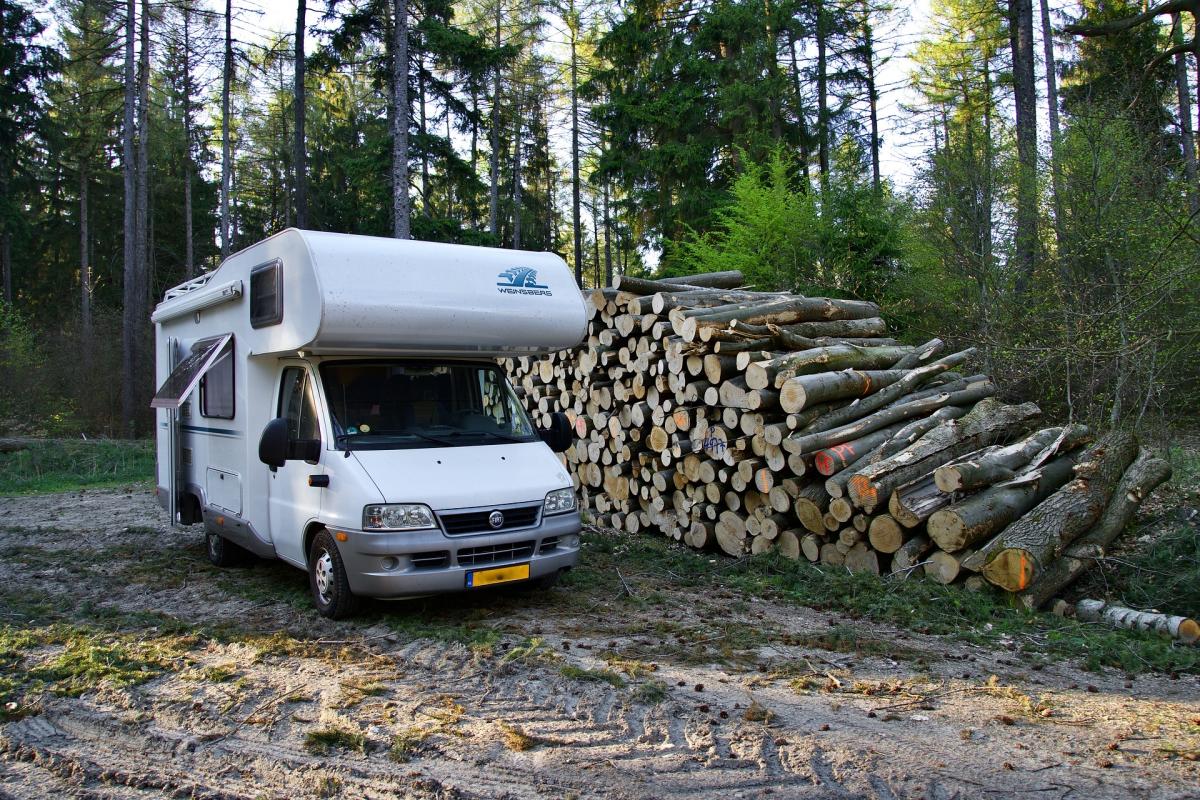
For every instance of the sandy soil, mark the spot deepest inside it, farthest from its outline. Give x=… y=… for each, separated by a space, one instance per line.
x=614 y=689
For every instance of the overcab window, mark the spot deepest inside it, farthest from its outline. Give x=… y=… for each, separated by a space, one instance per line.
x=266 y=295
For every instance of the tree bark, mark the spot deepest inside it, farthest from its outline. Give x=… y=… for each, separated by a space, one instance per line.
x=130 y=290
x=986 y=423
x=822 y=34
x=982 y=515
x=773 y=373
x=1184 y=629
x=517 y=200
x=913 y=503
x=782 y=312
x=833 y=460
x=226 y=151
x=299 y=100
x=573 y=28
x=873 y=100
x=401 y=204
x=888 y=394
x=1017 y=556
x=1186 y=138
x=1025 y=101
x=810 y=443
x=85 y=271
x=189 y=248
x=1055 y=128
x=1142 y=477
x=996 y=464
x=494 y=158
x=608 y=261
x=805 y=391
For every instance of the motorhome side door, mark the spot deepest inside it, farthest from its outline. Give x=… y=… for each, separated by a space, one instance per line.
x=292 y=503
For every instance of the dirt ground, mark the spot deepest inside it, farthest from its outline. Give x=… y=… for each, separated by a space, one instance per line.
x=608 y=687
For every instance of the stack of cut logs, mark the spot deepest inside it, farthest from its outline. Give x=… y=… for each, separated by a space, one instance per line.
x=757 y=421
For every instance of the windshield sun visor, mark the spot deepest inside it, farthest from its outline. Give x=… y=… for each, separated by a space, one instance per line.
x=183 y=379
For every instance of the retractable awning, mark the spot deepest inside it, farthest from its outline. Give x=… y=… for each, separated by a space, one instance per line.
x=187 y=373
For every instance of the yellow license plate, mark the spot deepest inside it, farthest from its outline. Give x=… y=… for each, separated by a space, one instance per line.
x=487 y=577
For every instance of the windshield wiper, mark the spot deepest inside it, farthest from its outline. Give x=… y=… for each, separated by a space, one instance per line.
x=496 y=434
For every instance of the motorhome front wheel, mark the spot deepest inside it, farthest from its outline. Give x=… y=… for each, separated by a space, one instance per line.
x=327 y=579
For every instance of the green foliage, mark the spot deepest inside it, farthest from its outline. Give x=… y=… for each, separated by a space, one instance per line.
x=63 y=465
x=848 y=241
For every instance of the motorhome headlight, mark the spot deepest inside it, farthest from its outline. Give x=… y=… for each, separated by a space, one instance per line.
x=560 y=501
x=398 y=517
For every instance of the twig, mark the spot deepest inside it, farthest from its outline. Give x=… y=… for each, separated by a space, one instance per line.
x=628 y=591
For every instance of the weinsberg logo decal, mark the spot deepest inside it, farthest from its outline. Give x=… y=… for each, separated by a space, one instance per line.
x=521 y=280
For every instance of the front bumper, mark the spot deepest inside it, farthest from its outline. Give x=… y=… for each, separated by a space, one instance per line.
x=408 y=563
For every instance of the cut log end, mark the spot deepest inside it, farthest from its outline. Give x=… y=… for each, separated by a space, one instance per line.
x=1011 y=569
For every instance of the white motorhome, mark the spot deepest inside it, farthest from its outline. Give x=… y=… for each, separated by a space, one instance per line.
x=334 y=401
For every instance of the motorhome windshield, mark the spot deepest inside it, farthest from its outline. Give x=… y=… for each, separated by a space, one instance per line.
x=384 y=405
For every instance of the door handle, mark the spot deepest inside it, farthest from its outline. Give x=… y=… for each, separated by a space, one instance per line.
x=319 y=481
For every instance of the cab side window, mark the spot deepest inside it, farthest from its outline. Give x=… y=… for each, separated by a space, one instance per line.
x=297 y=406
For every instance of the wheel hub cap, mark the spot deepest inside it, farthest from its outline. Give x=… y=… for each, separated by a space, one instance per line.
x=324 y=575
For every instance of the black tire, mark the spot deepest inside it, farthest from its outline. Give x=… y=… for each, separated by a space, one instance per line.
x=327 y=579
x=222 y=552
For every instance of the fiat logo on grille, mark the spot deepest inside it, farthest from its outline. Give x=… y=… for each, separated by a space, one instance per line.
x=495 y=519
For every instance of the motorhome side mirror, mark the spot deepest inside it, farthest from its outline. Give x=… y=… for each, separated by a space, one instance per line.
x=273 y=446
x=559 y=435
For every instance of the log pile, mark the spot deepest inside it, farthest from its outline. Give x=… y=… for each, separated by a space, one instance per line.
x=752 y=421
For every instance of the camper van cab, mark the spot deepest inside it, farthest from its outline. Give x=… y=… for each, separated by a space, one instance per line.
x=334 y=401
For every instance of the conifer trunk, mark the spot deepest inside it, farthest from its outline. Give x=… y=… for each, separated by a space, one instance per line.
x=300 y=154
x=494 y=160
x=226 y=155
x=129 y=291
x=401 y=207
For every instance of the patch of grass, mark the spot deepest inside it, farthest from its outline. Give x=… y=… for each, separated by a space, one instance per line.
x=408 y=743
x=986 y=618
x=594 y=675
x=355 y=690
x=650 y=693
x=88 y=660
x=219 y=673
x=530 y=651
x=630 y=666
x=57 y=465
x=334 y=737
x=758 y=713
x=516 y=739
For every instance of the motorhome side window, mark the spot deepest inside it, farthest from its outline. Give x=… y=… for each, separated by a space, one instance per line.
x=266 y=295
x=296 y=405
x=216 y=388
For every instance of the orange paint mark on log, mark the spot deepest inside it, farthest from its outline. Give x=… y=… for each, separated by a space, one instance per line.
x=824 y=463
x=865 y=490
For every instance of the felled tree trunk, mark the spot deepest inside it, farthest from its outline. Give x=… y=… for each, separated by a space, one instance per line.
x=1146 y=473
x=997 y=464
x=805 y=391
x=914 y=502
x=982 y=515
x=810 y=443
x=889 y=394
x=1016 y=557
x=987 y=422
x=785 y=312
x=772 y=373
x=1184 y=629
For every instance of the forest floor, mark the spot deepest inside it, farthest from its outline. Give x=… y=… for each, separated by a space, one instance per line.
x=130 y=667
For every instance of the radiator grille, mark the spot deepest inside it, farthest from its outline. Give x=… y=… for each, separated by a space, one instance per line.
x=513 y=551
x=434 y=560
x=477 y=521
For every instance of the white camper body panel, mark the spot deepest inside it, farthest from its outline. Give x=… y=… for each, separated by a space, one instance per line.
x=355 y=296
